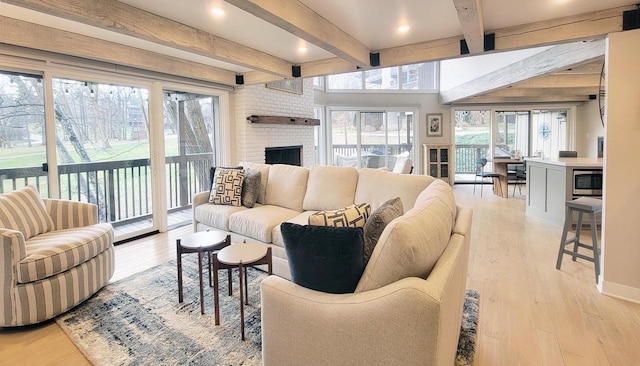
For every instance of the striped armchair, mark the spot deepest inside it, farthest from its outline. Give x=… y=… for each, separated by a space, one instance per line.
x=54 y=255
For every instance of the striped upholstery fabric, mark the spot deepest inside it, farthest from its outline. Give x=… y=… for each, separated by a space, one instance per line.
x=24 y=210
x=68 y=214
x=57 y=251
x=42 y=300
x=51 y=273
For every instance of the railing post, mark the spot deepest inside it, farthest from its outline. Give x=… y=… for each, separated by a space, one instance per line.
x=111 y=205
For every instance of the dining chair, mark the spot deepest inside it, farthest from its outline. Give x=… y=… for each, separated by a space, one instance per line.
x=480 y=164
x=521 y=174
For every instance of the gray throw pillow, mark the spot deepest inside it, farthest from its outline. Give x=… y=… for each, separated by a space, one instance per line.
x=251 y=187
x=376 y=223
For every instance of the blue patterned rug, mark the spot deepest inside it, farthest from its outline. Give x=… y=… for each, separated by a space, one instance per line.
x=138 y=321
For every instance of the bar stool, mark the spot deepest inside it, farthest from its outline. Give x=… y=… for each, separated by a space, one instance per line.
x=581 y=205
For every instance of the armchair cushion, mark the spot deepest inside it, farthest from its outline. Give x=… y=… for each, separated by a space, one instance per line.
x=23 y=210
x=57 y=251
x=324 y=258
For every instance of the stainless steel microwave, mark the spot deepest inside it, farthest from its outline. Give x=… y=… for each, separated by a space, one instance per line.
x=587 y=182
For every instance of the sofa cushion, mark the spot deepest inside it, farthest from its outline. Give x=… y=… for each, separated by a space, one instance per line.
x=258 y=222
x=442 y=191
x=57 y=251
x=301 y=219
x=286 y=186
x=376 y=223
x=350 y=216
x=216 y=215
x=264 y=177
x=23 y=210
x=377 y=186
x=330 y=187
x=410 y=246
x=251 y=187
x=227 y=187
x=324 y=258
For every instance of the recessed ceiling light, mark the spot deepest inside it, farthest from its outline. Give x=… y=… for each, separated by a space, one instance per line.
x=403 y=28
x=217 y=11
x=302 y=49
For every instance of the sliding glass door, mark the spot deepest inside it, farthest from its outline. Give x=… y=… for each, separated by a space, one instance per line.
x=23 y=143
x=371 y=139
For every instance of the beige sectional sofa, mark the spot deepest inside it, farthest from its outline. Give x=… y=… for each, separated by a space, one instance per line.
x=407 y=307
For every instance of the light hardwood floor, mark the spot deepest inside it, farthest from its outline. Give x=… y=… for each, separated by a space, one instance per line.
x=530 y=313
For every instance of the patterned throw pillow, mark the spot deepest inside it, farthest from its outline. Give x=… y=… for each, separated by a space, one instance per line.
x=23 y=210
x=350 y=216
x=227 y=187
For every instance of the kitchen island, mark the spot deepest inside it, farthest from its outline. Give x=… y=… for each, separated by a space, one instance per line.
x=550 y=185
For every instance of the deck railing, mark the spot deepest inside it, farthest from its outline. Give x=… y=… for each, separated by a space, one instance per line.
x=466 y=156
x=121 y=189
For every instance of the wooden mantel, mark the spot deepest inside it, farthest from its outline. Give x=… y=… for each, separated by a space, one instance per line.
x=282 y=120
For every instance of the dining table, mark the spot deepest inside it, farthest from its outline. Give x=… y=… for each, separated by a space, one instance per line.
x=501 y=167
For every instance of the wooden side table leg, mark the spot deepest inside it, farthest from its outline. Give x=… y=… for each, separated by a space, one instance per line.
x=216 y=297
x=229 y=273
x=246 y=286
x=210 y=264
x=240 y=269
x=200 y=278
x=179 y=261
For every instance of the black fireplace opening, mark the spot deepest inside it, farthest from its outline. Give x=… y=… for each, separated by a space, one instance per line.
x=291 y=155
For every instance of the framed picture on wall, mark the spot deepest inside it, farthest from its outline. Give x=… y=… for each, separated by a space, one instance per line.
x=288 y=85
x=434 y=124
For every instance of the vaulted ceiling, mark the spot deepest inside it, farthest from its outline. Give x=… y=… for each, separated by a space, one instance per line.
x=263 y=40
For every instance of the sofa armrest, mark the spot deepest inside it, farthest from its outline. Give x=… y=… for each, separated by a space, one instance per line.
x=13 y=245
x=198 y=199
x=68 y=214
x=396 y=324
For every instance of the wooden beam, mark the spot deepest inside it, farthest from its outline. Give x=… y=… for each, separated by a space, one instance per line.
x=280 y=120
x=562 y=30
x=538 y=92
x=300 y=20
x=554 y=59
x=561 y=81
x=523 y=100
x=121 y=18
x=25 y=34
x=470 y=16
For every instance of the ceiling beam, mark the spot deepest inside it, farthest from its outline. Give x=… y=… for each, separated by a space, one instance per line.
x=121 y=18
x=298 y=19
x=538 y=92
x=470 y=16
x=551 y=60
x=562 y=30
x=523 y=100
x=561 y=81
x=20 y=33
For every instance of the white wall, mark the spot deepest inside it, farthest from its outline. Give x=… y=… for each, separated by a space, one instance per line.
x=621 y=232
x=423 y=103
x=588 y=128
x=251 y=139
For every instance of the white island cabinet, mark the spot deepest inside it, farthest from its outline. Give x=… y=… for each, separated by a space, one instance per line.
x=550 y=185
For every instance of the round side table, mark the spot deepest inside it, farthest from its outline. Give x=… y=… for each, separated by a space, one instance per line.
x=200 y=242
x=240 y=255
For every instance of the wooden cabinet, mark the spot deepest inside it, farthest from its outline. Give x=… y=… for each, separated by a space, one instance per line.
x=438 y=162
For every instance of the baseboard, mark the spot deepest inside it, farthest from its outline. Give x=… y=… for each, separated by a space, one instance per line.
x=620 y=291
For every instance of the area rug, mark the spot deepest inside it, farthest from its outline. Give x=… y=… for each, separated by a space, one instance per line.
x=138 y=321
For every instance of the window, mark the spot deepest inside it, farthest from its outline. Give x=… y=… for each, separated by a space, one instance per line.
x=419 y=77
